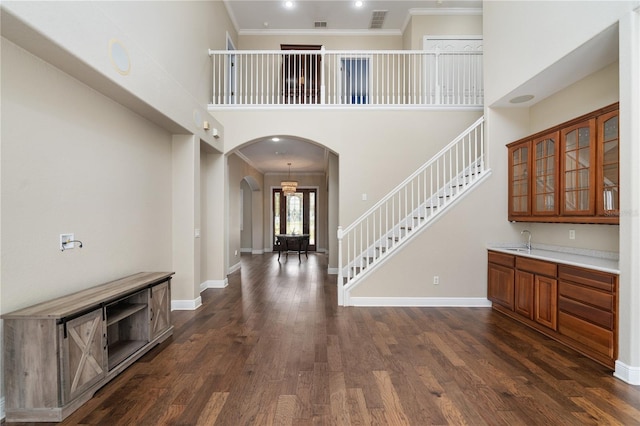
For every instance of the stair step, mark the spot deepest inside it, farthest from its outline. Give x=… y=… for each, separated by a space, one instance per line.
x=396 y=239
x=418 y=218
x=429 y=207
x=381 y=249
x=406 y=228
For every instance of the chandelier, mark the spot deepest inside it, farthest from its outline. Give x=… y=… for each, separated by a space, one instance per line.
x=289 y=186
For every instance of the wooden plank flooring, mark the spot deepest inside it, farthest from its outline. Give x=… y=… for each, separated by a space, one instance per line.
x=274 y=348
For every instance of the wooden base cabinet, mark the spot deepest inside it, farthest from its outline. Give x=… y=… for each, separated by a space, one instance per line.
x=57 y=354
x=576 y=306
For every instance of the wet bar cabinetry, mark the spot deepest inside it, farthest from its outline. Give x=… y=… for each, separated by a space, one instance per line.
x=573 y=305
x=58 y=353
x=569 y=173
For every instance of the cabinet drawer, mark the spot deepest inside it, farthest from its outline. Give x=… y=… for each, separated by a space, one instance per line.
x=589 y=335
x=588 y=277
x=536 y=266
x=501 y=259
x=590 y=313
x=588 y=295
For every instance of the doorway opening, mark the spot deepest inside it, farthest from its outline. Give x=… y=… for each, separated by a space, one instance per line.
x=295 y=214
x=355 y=80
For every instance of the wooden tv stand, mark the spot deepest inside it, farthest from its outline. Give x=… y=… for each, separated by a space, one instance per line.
x=57 y=354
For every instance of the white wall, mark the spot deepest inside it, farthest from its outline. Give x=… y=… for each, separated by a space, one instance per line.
x=75 y=161
x=246 y=232
x=335 y=42
x=454 y=25
x=522 y=38
x=377 y=149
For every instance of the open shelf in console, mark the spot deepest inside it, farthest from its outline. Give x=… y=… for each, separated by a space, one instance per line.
x=127 y=327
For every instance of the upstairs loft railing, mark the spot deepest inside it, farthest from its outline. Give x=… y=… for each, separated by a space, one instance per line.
x=336 y=78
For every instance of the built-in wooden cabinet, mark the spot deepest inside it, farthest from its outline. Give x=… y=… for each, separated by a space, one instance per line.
x=501 y=279
x=576 y=306
x=58 y=353
x=569 y=173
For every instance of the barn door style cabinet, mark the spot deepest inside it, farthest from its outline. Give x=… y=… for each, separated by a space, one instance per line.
x=57 y=354
x=569 y=173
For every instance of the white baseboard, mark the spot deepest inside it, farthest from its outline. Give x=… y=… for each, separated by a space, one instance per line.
x=214 y=284
x=268 y=249
x=245 y=250
x=186 y=305
x=627 y=373
x=469 y=302
x=333 y=271
x=257 y=251
x=234 y=268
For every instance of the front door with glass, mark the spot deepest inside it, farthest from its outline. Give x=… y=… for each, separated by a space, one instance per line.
x=295 y=214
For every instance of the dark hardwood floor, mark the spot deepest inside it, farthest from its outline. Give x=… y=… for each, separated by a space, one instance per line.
x=273 y=348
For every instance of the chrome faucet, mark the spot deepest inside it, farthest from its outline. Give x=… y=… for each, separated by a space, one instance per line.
x=529 y=239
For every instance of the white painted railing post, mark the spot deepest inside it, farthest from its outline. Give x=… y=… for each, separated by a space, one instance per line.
x=340 y=282
x=322 y=88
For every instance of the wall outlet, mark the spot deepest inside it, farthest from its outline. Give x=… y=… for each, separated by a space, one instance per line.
x=236 y=253
x=64 y=241
x=572 y=234
x=436 y=280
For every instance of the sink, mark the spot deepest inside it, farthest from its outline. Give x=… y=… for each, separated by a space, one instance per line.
x=518 y=249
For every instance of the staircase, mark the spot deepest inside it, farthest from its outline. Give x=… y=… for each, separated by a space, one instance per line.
x=410 y=208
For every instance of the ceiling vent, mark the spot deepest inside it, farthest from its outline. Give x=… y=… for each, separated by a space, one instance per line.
x=377 y=19
x=320 y=24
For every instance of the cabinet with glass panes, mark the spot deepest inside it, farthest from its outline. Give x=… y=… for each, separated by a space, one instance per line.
x=568 y=173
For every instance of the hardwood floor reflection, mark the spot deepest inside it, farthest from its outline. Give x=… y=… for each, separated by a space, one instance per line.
x=273 y=348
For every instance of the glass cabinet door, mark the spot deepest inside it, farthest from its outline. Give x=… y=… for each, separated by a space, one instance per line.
x=545 y=170
x=578 y=162
x=608 y=197
x=519 y=200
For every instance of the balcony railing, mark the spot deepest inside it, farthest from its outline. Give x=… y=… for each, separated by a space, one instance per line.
x=337 y=78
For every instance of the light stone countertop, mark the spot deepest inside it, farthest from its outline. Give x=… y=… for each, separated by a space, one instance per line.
x=591 y=259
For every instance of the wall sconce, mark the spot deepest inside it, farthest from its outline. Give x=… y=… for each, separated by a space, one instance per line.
x=215 y=134
x=205 y=125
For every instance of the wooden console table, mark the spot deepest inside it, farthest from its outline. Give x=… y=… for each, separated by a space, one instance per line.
x=284 y=241
x=57 y=354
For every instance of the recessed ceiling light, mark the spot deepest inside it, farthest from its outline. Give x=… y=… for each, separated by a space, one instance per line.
x=288 y=4
x=359 y=3
x=521 y=99
x=275 y=139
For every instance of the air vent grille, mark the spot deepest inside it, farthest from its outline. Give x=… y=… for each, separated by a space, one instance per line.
x=377 y=19
x=320 y=24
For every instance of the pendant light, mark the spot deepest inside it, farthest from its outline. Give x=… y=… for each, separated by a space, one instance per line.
x=289 y=186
